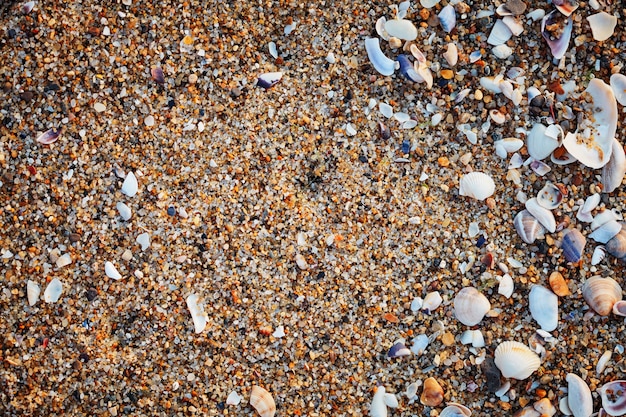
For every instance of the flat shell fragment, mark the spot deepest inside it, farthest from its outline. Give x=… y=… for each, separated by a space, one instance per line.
x=111 y=271
x=557 y=32
x=53 y=291
x=269 y=79
x=602 y=25
x=130 y=185
x=614 y=171
x=500 y=33
x=198 y=315
x=477 y=185
x=124 y=211
x=32 y=292
x=233 y=398
x=401 y=28
x=544 y=307
x=579 y=398
x=618 y=84
x=144 y=240
x=447 y=18
x=49 y=136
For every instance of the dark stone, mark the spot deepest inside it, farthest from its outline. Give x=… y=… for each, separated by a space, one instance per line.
x=362 y=158
x=171 y=211
x=52 y=87
x=83 y=357
x=12 y=33
x=492 y=374
x=91 y=294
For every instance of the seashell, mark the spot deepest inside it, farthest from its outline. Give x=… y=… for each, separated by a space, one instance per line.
x=233 y=398
x=424 y=73
x=528 y=227
x=558 y=46
x=395 y=43
x=432 y=393
x=419 y=344
x=111 y=271
x=619 y=308
x=380 y=28
x=613 y=172
x=497 y=116
x=507 y=145
x=558 y=284
x=271 y=46
x=455 y=410
x=618 y=84
x=144 y=240
x=383 y=131
x=492 y=84
x=475 y=56
x=28 y=7
x=429 y=4
x=613 y=396
x=53 y=291
x=563 y=157
x=536 y=14
x=477 y=185
x=401 y=28
x=130 y=185
x=592 y=144
x=506 y=286
x=516 y=360
x=540 y=168
x=385 y=109
x=470 y=306
x=125 y=211
x=527 y=411
x=599 y=253
x=543 y=215
x=579 y=398
x=539 y=144
x=602 y=25
x=514 y=24
x=301 y=261
x=473 y=337
x=269 y=79
x=432 y=301
x=606 y=232
x=262 y=401
x=408 y=70
x=564 y=407
x=603 y=361
x=566 y=7
x=617 y=246
x=447 y=18
x=502 y=51
x=601 y=294
x=49 y=136
x=379 y=61
x=157 y=75
x=398 y=350
x=411 y=390
x=544 y=407
x=32 y=291
x=584 y=212
x=603 y=217
x=197 y=313
x=380 y=402
x=550 y=196
x=500 y=33
x=573 y=244
x=452 y=54
x=544 y=307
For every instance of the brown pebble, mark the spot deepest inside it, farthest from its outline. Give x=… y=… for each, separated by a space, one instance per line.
x=74 y=237
x=447 y=74
x=391 y=318
x=424 y=14
x=443 y=161
x=491 y=203
x=447 y=339
x=577 y=179
x=558 y=284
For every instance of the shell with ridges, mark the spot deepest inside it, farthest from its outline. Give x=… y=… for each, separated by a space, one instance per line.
x=573 y=244
x=543 y=215
x=516 y=360
x=603 y=217
x=470 y=306
x=477 y=185
x=262 y=401
x=527 y=226
x=599 y=253
x=579 y=397
x=432 y=395
x=617 y=246
x=613 y=396
x=606 y=232
x=32 y=291
x=544 y=307
x=500 y=33
x=601 y=294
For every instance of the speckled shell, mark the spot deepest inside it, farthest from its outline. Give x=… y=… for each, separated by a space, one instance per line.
x=432 y=395
x=262 y=402
x=601 y=293
x=544 y=307
x=579 y=397
x=470 y=306
x=516 y=360
x=613 y=396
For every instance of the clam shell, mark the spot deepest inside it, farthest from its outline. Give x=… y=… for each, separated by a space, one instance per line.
x=619 y=308
x=558 y=284
x=497 y=116
x=606 y=232
x=455 y=410
x=432 y=394
x=543 y=215
x=579 y=398
x=447 y=18
x=603 y=217
x=573 y=244
x=550 y=196
x=544 y=307
x=617 y=246
x=506 y=286
x=618 y=84
x=613 y=172
x=540 y=145
x=613 y=396
x=401 y=28
x=262 y=401
x=500 y=33
x=528 y=227
x=49 y=136
x=602 y=25
x=432 y=301
x=380 y=28
x=397 y=350
x=516 y=360
x=601 y=294
x=470 y=306
x=379 y=61
x=452 y=54
x=558 y=46
x=53 y=291
x=507 y=145
x=477 y=185
x=540 y=168
x=32 y=291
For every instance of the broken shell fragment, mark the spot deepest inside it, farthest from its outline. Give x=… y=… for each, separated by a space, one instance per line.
x=198 y=315
x=53 y=291
x=269 y=79
x=544 y=407
x=447 y=18
x=111 y=271
x=130 y=185
x=613 y=396
x=579 y=398
x=380 y=28
x=49 y=136
x=506 y=286
x=452 y=54
x=408 y=70
x=380 y=402
x=539 y=144
x=617 y=246
x=477 y=185
x=455 y=410
x=566 y=7
x=599 y=253
x=528 y=227
x=500 y=33
x=516 y=360
x=601 y=294
x=543 y=215
x=602 y=25
x=157 y=75
x=550 y=196
x=262 y=401
x=398 y=350
x=556 y=32
x=613 y=172
x=32 y=291
x=606 y=232
x=618 y=84
x=432 y=395
x=470 y=306
x=544 y=307
x=379 y=61
x=432 y=301
x=573 y=244
x=401 y=28
x=619 y=308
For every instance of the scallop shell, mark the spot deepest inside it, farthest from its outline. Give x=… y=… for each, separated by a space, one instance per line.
x=617 y=246
x=592 y=144
x=606 y=232
x=455 y=410
x=558 y=284
x=500 y=33
x=613 y=172
x=401 y=28
x=544 y=307
x=432 y=394
x=379 y=61
x=528 y=227
x=579 y=398
x=452 y=54
x=601 y=294
x=540 y=145
x=262 y=402
x=477 y=185
x=447 y=18
x=550 y=196
x=618 y=84
x=543 y=215
x=516 y=360
x=573 y=244
x=32 y=291
x=53 y=291
x=470 y=306
x=558 y=46
x=599 y=253
x=602 y=25
x=613 y=396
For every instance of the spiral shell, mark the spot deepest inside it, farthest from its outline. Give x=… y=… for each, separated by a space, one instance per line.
x=516 y=360
x=470 y=306
x=601 y=294
x=262 y=402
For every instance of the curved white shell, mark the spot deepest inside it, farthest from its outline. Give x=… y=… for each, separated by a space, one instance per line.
x=543 y=215
x=380 y=28
x=613 y=396
x=455 y=410
x=53 y=291
x=130 y=186
x=579 y=397
x=618 y=84
x=502 y=51
x=544 y=307
x=32 y=291
x=540 y=145
x=506 y=286
x=379 y=61
x=619 y=308
x=197 y=313
x=613 y=172
x=516 y=360
x=447 y=18
x=432 y=301
x=470 y=306
x=606 y=232
x=477 y=185
x=514 y=24
x=601 y=294
x=592 y=144
x=599 y=253
x=429 y=3
x=507 y=145
x=452 y=54
x=603 y=217
x=262 y=402
x=603 y=361
x=401 y=28
x=125 y=211
x=111 y=271
x=528 y=227
x=500 y=33
x=602 y=25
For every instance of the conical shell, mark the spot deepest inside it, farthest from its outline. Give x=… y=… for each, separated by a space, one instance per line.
x=528 y=228
x=455 y=410
x=573 y=245
x=613 y=396
x=432 y=395
x=544 y=307
x=262 y=402
x=543 y=215
x=579 y=397
x=558 y=284
x=516 y=360
x=601 y=293
x=470 y=306
x=477 y=185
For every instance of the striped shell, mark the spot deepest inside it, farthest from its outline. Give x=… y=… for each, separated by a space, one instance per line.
x=262 y=402
x=516 y=360
x=470 y=306
x=601 y=293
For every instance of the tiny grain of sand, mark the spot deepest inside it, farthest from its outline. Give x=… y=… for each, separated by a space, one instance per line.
x=307 y=247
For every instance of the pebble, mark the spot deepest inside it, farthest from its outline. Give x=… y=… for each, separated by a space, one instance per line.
x=99 y=107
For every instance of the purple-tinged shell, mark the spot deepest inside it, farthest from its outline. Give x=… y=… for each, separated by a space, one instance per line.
x=407 y=69
x=614 y=397
x=397 y=350
x=269 y=79
x=383 y=131
x=28 y=7
x=558 y=46
x=617 y=246
x=566 y=7
x=540 y=168
x=49 y=136
x=573 y=245
x=157 y=75
x=447 y=18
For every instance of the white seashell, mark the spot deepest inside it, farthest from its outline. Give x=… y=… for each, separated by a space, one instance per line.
x=233 y=398
x=516 y=360
x=447 y=18
x=125 y=211
x=544 y=307
x=272 y=49
x=602 y=25
x=424 y=73
x=550 y=196
x=539 y=144
x=602 y=362
x=492 y=83
x=564 y=407
x=411 y=390
x=603 y=217
x=514 y=24
x=544 y=407
x=197 y=313
x=579 y=398
x=262 y=401
x=432 y=301
x=401 y=28
x=500 y=33
x=130 y=186
x=506 y=286
x=606 y=232
x=532 y=92
x=592 y=144
x=502 y=51
x=613 y=172
x=497 y=116
x=63 y=260
x=53 y=291
x=144 y=240
x=613 y=396
x=599 y=253
x=380 y=402
x=436 y=119
x=508 y=145
x=419 y=344
x=536 y=15
x=111 y=271
x=380 y=28
x=385 y=109
x=473 y=337
x=528 y=227
x=470 y=306
x=32 y=291
x=618 y=84
x=429 y=3
x=540 y=168
x=477 y=185
x=601 y=293
x=401 y=117
x=452 y=54
x=381 y=63
x=543 y=215
x=301 y=262
x=516 y=161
